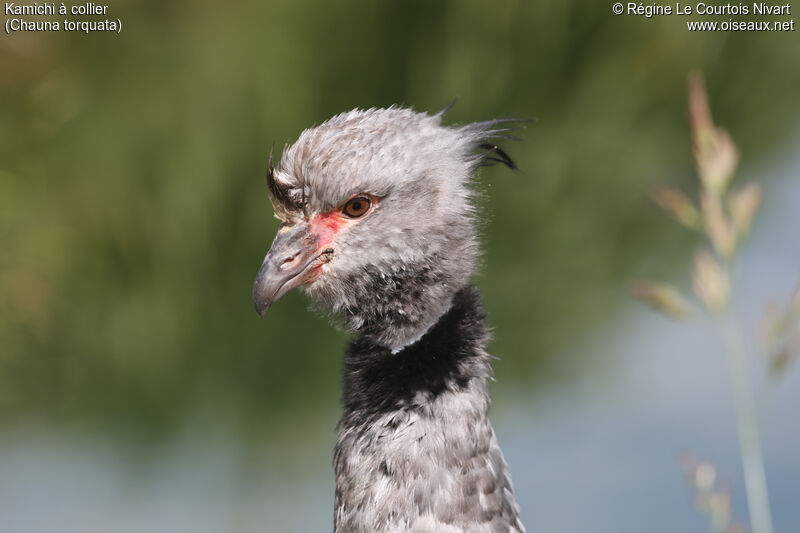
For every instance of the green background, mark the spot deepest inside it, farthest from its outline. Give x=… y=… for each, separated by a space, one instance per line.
x=133 y=211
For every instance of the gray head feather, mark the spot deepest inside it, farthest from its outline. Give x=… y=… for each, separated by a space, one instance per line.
x=394 y=273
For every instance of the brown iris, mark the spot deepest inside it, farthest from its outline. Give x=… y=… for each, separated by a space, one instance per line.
x=357 y=207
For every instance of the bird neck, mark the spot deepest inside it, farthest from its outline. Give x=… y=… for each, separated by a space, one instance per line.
x=416 y=450
x=394 y=306
x=446 y=357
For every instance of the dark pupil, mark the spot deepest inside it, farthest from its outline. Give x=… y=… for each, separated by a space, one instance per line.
x=356 y=205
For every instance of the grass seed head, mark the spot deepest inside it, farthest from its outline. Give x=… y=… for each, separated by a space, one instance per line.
x=677 y=205
x=662 y=297
x=710 y=282
x=744 y=203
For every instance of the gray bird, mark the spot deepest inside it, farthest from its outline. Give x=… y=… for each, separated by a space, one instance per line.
x=379 y=229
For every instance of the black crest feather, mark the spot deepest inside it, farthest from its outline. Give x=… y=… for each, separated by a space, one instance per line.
x=495 y=154
x=279 y=193
x=498 y=128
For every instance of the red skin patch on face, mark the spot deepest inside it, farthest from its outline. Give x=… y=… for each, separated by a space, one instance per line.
x=324 y=227
x=327 y=225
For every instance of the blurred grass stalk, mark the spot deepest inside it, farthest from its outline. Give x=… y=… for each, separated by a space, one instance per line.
x=716 y=158
x=724 y=216
x=747 y=422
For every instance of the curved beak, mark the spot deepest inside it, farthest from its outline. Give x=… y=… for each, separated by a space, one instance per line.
x=287 y=265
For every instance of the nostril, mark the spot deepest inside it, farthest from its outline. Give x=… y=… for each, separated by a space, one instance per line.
x=286 y=263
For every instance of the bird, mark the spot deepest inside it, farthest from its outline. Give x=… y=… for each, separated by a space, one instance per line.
x=379 y=227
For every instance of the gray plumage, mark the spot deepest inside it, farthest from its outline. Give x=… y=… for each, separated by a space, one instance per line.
x=379 y=229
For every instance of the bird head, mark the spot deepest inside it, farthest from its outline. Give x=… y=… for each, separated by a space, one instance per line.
x=377 y=218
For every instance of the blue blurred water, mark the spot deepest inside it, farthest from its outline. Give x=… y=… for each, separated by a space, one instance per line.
x=595 y=454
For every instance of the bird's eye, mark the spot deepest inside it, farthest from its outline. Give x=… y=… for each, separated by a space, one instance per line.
x=357 y=207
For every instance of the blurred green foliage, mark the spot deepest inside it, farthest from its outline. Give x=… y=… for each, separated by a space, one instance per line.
x=133 y=212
